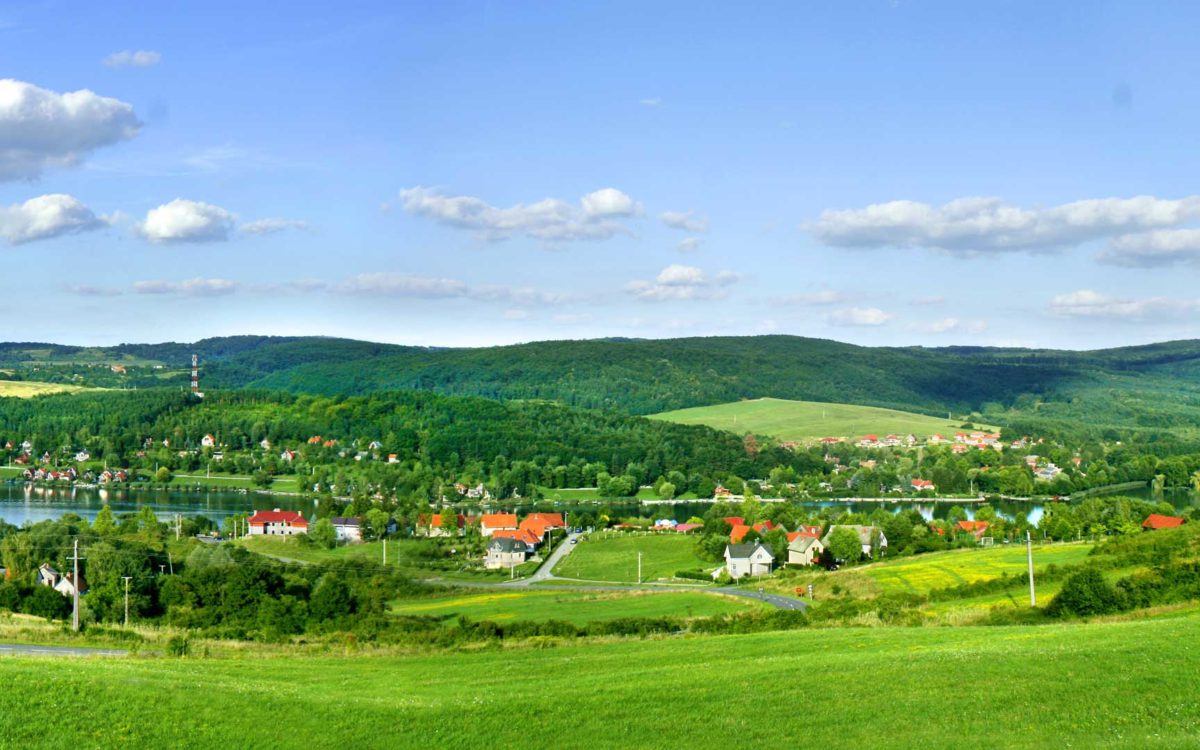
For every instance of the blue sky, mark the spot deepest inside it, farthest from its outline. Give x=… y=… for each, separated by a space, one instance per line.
x=476 y=173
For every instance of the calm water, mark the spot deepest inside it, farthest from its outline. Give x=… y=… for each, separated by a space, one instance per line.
x=21 y=503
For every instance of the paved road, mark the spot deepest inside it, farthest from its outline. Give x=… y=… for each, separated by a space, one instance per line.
x=20 y=649
x=544 y=573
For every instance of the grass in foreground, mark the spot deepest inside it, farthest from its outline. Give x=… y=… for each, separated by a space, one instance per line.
x=1073 y=685
x=575 y=607
x=810 y=420
x=614 y=557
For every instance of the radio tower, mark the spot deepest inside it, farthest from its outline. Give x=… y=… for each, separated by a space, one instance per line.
x=196 y=377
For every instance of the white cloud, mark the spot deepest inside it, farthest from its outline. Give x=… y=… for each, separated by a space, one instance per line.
x=1164 y=247
x=197 y=287
x=516 y=314
x=551 y=220
x=1086 y=303
x=974 y=225
x=401 y=285
x=650 y=101
x=928 y=301
x=954 y=325
x=187 y=221
x=823 y=297
x=679 y=282
x=41 y=129
x=684 y=220
x=45 y=217
x=271 y=226
x=689 y=245
x=131 y=59
x=90 y=290
x=858 y=316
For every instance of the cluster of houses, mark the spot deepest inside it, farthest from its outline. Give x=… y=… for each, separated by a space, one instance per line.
x=62 y=583
x=512 y=542
x=962 y=441
x=805 y=546
x=69 y=474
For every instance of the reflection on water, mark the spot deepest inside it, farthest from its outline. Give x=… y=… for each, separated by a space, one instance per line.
x=22 y=503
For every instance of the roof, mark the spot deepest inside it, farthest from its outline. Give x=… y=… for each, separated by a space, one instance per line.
x=277 y=516
x=524 y=535
x=973 y=526
x=1159 y=521
x=499 y=520
x=802 y=543
x=535 y=526
x=549 y=520
x=345 y=521
x=738 y=532
x=684 y=528
x=735 y=520
x=506 y=544
x=745 y=551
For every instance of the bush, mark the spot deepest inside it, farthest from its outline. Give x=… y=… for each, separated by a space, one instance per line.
x=693 y=575
x=1084 y=594
x=179 y=646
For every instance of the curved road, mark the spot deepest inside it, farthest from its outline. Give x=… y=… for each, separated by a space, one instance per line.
x=21 y=649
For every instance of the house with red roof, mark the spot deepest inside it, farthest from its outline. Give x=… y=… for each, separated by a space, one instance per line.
x=490 y=523
x=277 y=523
x=527 y=536
x=975 y=528
x=923 y=484
x=738 y=532
x=1156 y=521
x=870 y=441
x=735 y=520
x=549 y=520
x=687 y=528
x=432 y=525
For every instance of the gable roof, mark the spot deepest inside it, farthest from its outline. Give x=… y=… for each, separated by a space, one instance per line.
x=345 y=521
x=802 y=543
x=523 y=535
x=277 y=516
x=549 y=520
x=506 y=544
x=1159 y=521
x=735 y=520
x=499 y=520
x=738 y=532
x=745 y=551
x=973 y=527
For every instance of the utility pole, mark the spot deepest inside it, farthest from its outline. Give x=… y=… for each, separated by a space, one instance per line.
x=1029 y=552
x=385 y=552
x=126 y=579
x=75 y=589
x=178 y=526
x=639 y=567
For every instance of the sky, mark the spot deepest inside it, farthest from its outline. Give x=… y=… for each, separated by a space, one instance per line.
x=478 y=173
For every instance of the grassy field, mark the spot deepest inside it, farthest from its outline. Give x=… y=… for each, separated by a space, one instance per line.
x=810 y=420
x=924 y=573
x=279 y=484
x=29 y=388
x=1076 y=685
x=614 y=557
x=574 y=606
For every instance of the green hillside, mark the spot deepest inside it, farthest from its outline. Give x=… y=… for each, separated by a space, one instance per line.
x=1119 y=684
x=810 y=420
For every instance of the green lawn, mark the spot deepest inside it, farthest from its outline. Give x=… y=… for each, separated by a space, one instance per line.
x=923 y=573
x=278 y=484
x=574 y=606
x=1101 y=685
x=810 y=420
x=29 y=388
x=614 y=557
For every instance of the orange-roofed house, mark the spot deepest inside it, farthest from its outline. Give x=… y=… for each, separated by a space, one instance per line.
x=534 y=526
x=923 y=484
x=432 y=526
x=975 y=528
x=277 y=523
x=490 y=523
x=1156 y=521
x=735 y=520
x=738 y=532
x=549 y=520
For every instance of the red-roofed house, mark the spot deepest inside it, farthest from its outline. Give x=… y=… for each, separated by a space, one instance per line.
x=735 y=520
x=522 y=535
x=975 y=528
x=1157 y=521
x=687 y=528
x=277 y=523
x=923 y=484
x=738 y=532
x=490 y=523
x=432 y=526
x=549 y=520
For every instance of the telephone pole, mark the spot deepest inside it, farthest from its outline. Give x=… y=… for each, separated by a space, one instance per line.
x=1029 y=552
x=126 y=579
x=385 y=552
x=639 y=567
x=75 y=588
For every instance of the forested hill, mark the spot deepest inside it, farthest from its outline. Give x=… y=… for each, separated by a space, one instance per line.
x=1153 y=386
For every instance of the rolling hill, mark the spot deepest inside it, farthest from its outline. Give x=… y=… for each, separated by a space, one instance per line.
x=809 y=420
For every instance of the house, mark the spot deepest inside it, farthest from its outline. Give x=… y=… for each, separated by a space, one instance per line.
x=813 y=531
x=976 y=529
x=433 y=525
x=687 y=528
x=265 y=444
x=526 y=536
x=393 y=458
x=82 y=456
x=748 y=560
x=314 y=440
x=287 y=456
x=735 y=520
x=891 y=441
x=347 y=528
x=479 y=492
x=48 y=576
x=374 y=445
x=277 y=523
x=936 y=439
x=738 y=532
x=1047 y=473
x=490 y=523
x=960 y=448
x=66 y=585
x=803 y=550
x=1156 y=521
x=721 y=491
x=208 y=441
x=504 y=553
x=870 y=441
x=920 y=485
x=865 y=536
x=549 y=520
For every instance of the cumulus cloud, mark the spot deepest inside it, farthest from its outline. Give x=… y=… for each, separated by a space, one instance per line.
x=271 y=226
x=1164 y=247
x=977 y=225
x=684 y=220
x=679 y=282
x=198 y=287
x=954 y=325
x=187 y=221
x=1086 y=303
x=42 y=129
x=45 y=217
x=858 y=317
x=133 y=59
x=650 y=101
x=823 y=297
x=688 y=245
x=90 y=290
x=551 y=220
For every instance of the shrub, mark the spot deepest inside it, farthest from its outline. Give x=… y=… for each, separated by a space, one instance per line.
x=1086 y=593
x=179 y=645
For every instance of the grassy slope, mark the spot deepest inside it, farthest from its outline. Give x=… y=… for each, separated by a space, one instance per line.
x=923 y=573
x=573 y=606
x=1075 y=685
x=809 y=420
x=615 y=557
x=29 y=388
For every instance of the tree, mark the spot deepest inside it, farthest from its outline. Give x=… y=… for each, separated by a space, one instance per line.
x=844 y=544
x=104 y=523
x=331 y=599
x=666 y=490
x=1085 y=593
x=323 y=533
x=376 y=521
x=163 y=475
x=449 y=522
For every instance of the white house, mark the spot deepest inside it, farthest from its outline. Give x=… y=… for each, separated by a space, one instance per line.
x=277 y=523
x=66 y=585
x=742 y=560
x=348 y=529
x=208 y=441
x=865 y=536
x=804 y=550
x=504 y=553
x=82 y=456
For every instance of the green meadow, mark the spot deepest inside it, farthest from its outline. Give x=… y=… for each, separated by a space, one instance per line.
x=614 y=557
x=1104 y=684
x=810 y=420
x=924 y=573
x=577 y=607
